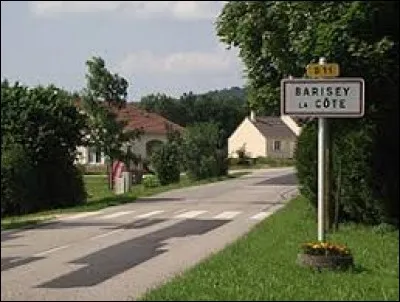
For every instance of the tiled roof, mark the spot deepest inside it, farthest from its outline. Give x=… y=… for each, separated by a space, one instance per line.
x=149 y=122
x=272 y=126
x=137 y=118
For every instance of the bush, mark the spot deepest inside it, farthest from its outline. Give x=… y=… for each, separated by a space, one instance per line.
x=27 y=188
x=351 y=158
x=243 y=158
x=205 y=155
x=41 y=129
x=167 y=159
x=17 y=181
x=150 y=181
x=275 y=162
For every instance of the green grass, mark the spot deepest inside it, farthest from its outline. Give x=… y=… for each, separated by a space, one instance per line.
x=262 y=265
x=100 y=197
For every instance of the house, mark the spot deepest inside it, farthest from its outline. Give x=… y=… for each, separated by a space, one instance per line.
x=154 y=133
x=273 y=137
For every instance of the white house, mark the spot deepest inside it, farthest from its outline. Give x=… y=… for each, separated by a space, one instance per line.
x=154 y=133
x=273 y=137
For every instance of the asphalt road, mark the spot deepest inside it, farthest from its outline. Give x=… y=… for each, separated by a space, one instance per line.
x=118 y=253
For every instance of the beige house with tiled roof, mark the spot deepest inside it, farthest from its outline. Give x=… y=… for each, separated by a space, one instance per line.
x=273 y=137
x=154 y=133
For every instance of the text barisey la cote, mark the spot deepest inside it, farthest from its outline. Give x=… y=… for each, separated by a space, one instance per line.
x=325 y=94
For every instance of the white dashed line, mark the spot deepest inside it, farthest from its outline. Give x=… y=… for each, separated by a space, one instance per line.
x=82 y=215
x=51 y=251
x=190 y=214
x=149 y=214
x=117 y=214
x=106 y=234
x=227 y=215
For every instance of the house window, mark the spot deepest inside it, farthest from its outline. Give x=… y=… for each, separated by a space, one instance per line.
x=277 y=145
x=94 y=156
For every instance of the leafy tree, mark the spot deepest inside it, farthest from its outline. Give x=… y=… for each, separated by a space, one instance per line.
x=279 y=38
x=103 y=85
x=225 y=107
x=166 y=106
x=104 y=95
x=41 y=128
x=204 y=152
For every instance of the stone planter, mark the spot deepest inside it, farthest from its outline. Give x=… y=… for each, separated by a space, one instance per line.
x=323 y=261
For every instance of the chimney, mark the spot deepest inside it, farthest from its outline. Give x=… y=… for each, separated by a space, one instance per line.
x=252 y=116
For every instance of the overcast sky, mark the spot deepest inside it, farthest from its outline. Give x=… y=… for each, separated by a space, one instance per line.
x=158 y=46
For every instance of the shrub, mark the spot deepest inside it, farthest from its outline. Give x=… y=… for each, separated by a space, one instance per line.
x=150 y=181
x=17 y=181
x=275 y=162
x=204 y=153
x=243 y=158
x=351 y=158
x=167 y=159
x=41 y=129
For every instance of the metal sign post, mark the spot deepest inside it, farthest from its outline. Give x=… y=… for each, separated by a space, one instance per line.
x=323 y=170
x=323 y=96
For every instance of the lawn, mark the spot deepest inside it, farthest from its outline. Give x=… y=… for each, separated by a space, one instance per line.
x=262 y=265
x=99 y=197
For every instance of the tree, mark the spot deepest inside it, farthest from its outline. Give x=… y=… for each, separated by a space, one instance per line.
x=40 y=130
x=279 y=38
x=104 y=95
x=166 y=106
x=226 y=108
x=204 y=152
x=103 y=85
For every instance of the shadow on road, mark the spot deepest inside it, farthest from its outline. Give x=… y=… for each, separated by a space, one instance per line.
x=285 y=180
x=111 y=261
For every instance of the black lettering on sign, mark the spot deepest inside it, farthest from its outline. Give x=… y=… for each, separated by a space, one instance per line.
x=329 y=91
x=303 y=105
x=346 y=90
x=306 y=92
x=326 y=103
x=314 y=91
x=298 y=91
x=342 y=103
x=338 y=91
x=318 y=103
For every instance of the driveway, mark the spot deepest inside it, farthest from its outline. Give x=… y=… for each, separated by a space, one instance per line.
x=120 y=252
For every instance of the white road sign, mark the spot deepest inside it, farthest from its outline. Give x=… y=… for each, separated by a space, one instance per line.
x=340 y=97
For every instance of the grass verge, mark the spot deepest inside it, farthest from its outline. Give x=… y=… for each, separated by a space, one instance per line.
x=100 y=197
x=262 y=265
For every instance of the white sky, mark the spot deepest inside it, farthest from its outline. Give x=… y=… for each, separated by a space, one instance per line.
x=158 y=46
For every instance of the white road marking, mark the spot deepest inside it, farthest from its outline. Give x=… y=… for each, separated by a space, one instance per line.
x=14 y=260
x=106 y=234
x=82 y=215
x=51 y=251
x=117 y=214
x=190 y=214
x=149 y=214
x=261 y=215
x=180 y=211
x=227 y=215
